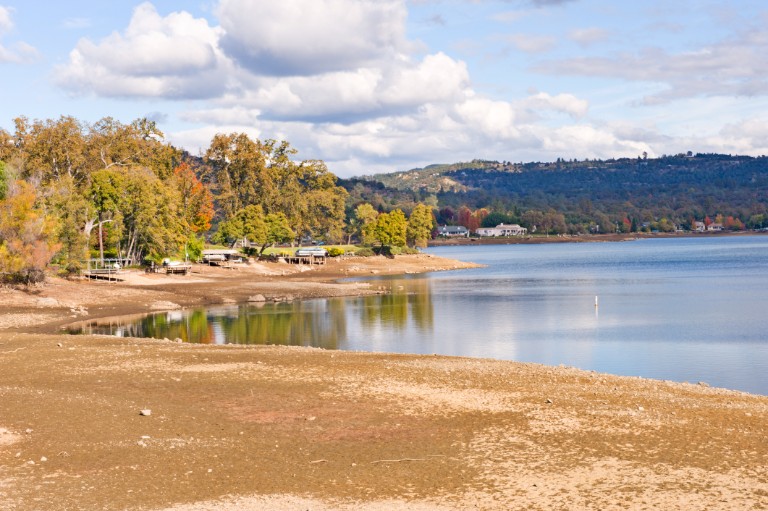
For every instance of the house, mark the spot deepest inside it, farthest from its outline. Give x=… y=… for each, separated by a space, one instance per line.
x=715 y=227
x=502 y=230
x=699 y=226
x=453 y=231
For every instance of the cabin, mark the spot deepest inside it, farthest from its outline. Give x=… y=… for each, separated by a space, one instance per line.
x=502 y=230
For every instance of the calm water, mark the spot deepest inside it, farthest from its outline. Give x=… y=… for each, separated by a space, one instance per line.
x=690 y=309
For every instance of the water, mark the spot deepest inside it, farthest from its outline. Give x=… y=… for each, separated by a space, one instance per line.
x=689 y=309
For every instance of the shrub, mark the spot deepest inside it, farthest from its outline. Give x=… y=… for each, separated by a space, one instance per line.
x=335 y=252
x=365 y=252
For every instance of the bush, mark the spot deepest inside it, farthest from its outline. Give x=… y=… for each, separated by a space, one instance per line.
x=72 y=269
x=364 y=252
x=335 y=252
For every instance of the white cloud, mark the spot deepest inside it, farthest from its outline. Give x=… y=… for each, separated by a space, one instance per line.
x=20 y=52
x=564 y=103
x=532 y=44
x=76 y=23
x=734 y=66
x=588 y=36
x=176 y=56
x=296 y=37
x=354 y=94
x=6 y=24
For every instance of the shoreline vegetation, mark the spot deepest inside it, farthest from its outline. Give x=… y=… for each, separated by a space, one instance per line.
x=99 y=422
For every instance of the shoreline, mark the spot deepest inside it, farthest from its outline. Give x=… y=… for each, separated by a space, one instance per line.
x=584 y=238
x=236 y=427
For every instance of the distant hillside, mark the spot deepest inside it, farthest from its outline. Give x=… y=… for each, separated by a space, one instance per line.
x=678 y=188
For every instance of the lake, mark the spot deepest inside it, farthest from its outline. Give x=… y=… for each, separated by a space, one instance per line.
x=683 y=309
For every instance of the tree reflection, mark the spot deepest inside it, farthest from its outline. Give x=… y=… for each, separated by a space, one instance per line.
x=317 y=323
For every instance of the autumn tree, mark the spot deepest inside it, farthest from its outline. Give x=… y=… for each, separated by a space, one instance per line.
x=26 y=235
x=196 y=199
x=390 y=229
x=253 y=172
x=420 y=225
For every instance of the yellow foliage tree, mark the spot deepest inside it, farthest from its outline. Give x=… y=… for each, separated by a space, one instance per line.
x=26 y=236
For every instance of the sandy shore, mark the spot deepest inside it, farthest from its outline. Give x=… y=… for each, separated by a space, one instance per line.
x=265 y=427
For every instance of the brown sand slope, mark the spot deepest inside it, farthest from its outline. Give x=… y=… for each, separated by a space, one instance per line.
x=235 y=427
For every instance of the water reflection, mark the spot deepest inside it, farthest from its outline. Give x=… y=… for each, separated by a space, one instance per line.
x=317 y=323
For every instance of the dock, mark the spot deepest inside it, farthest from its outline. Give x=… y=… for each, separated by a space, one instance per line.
x=311 y=259
x=178 y=269
x=109 y=274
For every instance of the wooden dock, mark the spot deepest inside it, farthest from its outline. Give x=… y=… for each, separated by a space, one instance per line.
x=178 y=269
x=109 y=274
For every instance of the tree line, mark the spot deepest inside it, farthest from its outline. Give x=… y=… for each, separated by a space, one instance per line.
x=70 y=191
x=589 y=196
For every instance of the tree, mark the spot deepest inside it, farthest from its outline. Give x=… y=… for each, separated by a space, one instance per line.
x=420 y=225
x=247 y=172
x=26 y=236
x=3 y=180
x=144 y=211
x=278 y=231
x=196 y=199
x=365 y=218
x=390 y=229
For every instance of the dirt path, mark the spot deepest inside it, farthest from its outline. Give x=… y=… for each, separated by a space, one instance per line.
x=264 y=427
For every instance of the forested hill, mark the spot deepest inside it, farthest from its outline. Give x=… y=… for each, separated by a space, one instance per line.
x=678 y=188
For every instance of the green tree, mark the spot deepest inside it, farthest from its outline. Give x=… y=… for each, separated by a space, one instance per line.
x=365 y=221
x=420 y=225
x=247 y=172
x=3 y=180
x=390 y=229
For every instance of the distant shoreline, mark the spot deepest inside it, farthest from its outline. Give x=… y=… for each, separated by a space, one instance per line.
x=585 y=238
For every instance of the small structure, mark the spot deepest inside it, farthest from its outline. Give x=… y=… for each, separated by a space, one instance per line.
x=220 y=255
x=176 y=267
x=502 y=230
x=106 y=269
x=453 y=231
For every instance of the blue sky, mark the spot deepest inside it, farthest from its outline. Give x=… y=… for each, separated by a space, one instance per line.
x=382 y=85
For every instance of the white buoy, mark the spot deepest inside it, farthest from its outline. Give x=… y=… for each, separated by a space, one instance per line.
x=596 y=301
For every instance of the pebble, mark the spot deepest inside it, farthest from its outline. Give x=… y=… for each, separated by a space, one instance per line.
x=548 y=401
x=145 y=412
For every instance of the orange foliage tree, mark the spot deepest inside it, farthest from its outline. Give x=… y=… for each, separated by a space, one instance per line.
x=197 y=199
x=26 y=236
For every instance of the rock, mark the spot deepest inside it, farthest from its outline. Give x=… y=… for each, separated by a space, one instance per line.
x=548 y=401
x=257 y=298
x=703 y=384
x=43 y=459
x=163 y=305
x=146 y=412
x=48 y=302
x=178 y=340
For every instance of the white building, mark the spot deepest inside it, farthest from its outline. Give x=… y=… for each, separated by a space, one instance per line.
x=502 y=230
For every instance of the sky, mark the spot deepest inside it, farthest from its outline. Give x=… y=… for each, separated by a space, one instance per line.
x=373 y=86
